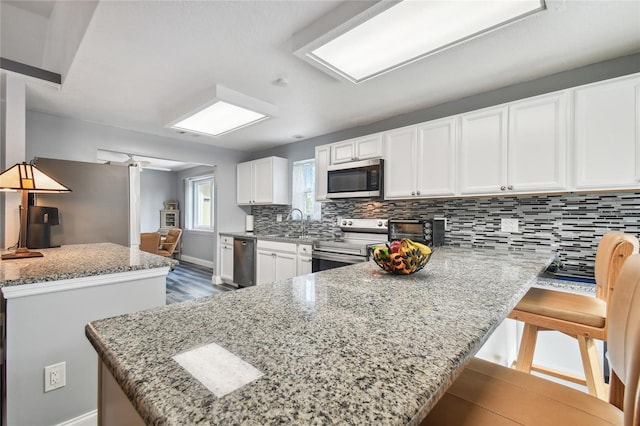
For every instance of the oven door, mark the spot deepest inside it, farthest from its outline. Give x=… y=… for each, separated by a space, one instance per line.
x=322 y=260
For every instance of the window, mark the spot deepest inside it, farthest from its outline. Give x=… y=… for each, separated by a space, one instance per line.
x=199 y=194
x=304 y=188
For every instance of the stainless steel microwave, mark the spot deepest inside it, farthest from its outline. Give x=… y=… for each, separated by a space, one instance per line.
x=355 y=179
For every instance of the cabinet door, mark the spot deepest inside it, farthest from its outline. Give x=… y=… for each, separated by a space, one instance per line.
x=226 y=262
x=400 y=163
x=537 y=144
x=368 y=147
x=483 y=151
x=322 y=162
x=244 y=186
x=304 y=265
x=607 y=140
x=263 y=181
x=265 y=266
x=436 y=158
x=342 y=152
x=285 y=266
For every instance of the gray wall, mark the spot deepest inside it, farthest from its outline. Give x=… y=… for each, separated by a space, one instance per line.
x=64 y=138
x=199 y=244
x=156 y=187
x=97 y=208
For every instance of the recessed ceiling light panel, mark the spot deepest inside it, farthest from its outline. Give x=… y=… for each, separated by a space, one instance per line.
x=392 y=34
x=224 y=111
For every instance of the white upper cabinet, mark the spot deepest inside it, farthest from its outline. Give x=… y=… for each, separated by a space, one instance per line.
x=517 y=148
x=323 y=153
x=420 y=160
x=263 y=181
x=483 y=151
x=606 y=132
x=400 y=163
x=537 y=144
x=436 y=157
x=357 y=149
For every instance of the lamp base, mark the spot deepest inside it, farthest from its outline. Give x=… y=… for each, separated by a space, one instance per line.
x=21 y=253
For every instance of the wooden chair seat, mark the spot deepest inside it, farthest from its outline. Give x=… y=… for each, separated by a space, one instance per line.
x=575 y=308
x=487 y=394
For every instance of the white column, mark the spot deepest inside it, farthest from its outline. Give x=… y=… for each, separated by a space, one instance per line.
x=15 y=149
x=134 y=207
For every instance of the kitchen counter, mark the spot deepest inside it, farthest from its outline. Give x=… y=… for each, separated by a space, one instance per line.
x=350 y=345
x=273 y=237
x=543 y=280
x=77 y=261
x=47 y=302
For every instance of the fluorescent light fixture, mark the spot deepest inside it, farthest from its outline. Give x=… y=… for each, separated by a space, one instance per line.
x=392 y=34
x=224 y=111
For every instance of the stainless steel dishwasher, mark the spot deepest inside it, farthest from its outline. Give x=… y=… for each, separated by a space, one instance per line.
x=244 y=261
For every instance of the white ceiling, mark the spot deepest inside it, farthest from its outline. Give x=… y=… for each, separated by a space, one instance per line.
x=138 y=61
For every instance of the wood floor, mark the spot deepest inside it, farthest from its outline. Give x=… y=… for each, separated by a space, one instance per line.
x=189 y=281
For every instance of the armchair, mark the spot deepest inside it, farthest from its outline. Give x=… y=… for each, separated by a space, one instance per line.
x=169 y=244
x=149 y=242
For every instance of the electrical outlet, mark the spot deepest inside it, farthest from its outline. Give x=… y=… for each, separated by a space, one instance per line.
x=278 y=218
x=508 y=225
x=55 y=376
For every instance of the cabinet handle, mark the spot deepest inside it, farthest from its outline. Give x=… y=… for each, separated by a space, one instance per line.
x=510 y=187
x=502 y=188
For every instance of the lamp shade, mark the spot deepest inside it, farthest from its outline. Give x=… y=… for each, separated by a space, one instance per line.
x=26 y=177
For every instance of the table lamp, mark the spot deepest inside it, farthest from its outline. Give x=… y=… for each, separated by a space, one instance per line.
x=26 y=178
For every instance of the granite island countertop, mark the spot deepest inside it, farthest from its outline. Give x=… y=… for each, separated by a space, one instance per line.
x=348 y=345
x=77 y=261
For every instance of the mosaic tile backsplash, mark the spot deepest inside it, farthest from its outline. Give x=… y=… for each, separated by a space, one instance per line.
x=569 y=224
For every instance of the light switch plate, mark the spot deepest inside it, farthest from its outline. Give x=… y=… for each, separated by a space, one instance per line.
x=278 y=217
x=508 y=225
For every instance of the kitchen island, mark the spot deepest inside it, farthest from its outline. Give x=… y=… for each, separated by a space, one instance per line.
x=348 y=345
x=46 y=302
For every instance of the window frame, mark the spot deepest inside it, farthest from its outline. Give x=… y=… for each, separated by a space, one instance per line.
x=192 y=210
x=315 y=213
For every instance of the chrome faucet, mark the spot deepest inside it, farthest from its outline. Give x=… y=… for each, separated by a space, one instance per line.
x=301 y=219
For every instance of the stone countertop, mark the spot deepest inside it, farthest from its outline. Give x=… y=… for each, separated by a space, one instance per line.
x=349 y=345
x=272 y=237
x=77 y=261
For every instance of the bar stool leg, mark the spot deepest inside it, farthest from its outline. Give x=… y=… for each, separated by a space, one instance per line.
x=592 y=370
x=527 y=348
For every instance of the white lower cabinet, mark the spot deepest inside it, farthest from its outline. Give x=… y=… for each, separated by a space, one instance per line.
x=226 y=259
x=275 y=260
x=304 y=259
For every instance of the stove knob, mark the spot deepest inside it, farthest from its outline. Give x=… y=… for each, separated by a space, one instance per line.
x=380 y=223
x=344 y=223
x=350 y=223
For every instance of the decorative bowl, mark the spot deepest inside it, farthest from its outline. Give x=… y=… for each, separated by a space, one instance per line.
x=406 y=260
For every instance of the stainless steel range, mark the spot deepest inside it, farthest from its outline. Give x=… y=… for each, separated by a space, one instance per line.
x=358 y=235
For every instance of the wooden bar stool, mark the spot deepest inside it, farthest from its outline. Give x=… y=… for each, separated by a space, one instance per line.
x=487 y=394
x=579 y=316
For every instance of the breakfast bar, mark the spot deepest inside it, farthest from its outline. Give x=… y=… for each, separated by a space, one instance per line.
x=46 y=302
x=349 y=345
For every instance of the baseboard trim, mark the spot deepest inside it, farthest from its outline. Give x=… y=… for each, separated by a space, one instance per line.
x=87 y=419
x=201 y=262
x=216 y=279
